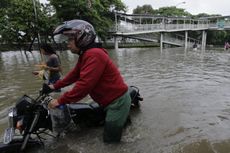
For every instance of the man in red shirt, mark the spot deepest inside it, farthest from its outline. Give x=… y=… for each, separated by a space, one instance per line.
x=94 y=74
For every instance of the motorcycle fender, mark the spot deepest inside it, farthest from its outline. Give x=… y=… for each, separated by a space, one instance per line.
x=8 y=135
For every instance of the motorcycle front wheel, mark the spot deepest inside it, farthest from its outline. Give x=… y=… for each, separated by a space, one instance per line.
x=15 y=145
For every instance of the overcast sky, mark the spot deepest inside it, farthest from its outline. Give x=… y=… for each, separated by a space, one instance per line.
x=192 y=6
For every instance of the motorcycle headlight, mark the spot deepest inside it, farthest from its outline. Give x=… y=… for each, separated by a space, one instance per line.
x=12 y=115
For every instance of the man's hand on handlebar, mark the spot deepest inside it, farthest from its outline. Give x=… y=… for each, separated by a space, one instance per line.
x=52 y=86
x=46 y=89
x=53 y=104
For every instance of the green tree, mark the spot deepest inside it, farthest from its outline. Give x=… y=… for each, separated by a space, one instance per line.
x=172 y=11
x=47 y=21
x=217 y=37
x=4 y=4
x=145 y=9
x=100 y=13
x=18 y=21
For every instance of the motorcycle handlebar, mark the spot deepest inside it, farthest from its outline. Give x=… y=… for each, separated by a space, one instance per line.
x=47 y=99
x=46 y=89
x=61 y=107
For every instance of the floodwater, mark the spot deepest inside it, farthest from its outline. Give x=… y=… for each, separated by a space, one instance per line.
x=186 y=107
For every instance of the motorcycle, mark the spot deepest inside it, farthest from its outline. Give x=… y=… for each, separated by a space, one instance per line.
x=30 y=119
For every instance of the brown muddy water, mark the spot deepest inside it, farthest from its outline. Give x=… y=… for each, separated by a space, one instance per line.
x=186 y=106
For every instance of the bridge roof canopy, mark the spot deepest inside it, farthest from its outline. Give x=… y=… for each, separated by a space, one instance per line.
x=215 y=17
x=150 y=16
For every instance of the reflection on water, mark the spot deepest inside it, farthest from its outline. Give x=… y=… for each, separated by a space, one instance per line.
x=186 y=104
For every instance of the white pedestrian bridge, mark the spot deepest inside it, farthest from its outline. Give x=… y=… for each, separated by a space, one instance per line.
x=160 y=29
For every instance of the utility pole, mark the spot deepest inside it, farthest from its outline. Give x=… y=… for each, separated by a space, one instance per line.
x=36 y=22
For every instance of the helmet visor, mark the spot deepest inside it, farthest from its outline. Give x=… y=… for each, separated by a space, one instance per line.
x=63 y=38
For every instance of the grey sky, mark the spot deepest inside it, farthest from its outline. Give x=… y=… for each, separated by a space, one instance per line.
x=192 y=6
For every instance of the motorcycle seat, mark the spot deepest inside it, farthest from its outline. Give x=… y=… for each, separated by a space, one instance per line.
x=91 y=105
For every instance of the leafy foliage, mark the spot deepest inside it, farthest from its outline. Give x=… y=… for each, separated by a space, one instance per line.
x=163 y=11
x=100 y=13
x=145 y=9
x=19 y=23
x=172 y=11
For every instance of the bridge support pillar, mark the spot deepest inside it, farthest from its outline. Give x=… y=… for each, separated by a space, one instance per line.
x=204 y=37
x=115 y=42
x=161 y=41
x=186 y=40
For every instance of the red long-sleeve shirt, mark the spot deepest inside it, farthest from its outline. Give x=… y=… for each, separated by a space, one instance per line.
x=94 y=74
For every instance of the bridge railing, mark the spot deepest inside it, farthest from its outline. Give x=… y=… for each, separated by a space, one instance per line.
x=138 y=25
x=159 y=27
x=131 y=23
x=217 y=26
